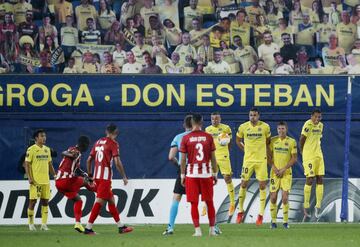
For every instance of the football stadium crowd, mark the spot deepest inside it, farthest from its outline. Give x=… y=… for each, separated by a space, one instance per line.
x=180 y=37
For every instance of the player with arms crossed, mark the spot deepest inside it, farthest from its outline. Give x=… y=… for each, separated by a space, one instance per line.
x=313 y=161
x=253 y=138
x=283 y=157
x=222 y=139
x=179 y=190
x=70 y=178
x=38 y=164
x=104 y=152
x=199 y=149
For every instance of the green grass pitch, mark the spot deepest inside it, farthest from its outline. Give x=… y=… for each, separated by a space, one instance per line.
x=304 y=235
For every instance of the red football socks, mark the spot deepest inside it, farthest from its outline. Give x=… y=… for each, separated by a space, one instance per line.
x=94 y=212
x=195 y=213
x=211 y=212
x=114 y=212
x=78 y=210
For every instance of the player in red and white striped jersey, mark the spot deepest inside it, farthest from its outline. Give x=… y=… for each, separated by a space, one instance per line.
x=69 y=180
x=201 y=172
x=104 y=152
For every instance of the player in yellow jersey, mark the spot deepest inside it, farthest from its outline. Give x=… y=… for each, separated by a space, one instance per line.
x=313 y=161
x=253 y=137
x=38 y=164
x=283 y=157
x=222 y=154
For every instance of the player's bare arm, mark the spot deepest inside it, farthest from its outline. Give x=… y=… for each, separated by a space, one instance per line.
x=239 y=143
x=182 y=168
x=71 y=155
x=214 y=167
x=29 y=173
x=51 y=169
x=302 y=143
x=89 y=166
x=172 y=156
x=268 y=150
x=119 y=166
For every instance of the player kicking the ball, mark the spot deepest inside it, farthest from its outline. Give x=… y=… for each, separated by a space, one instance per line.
x=104 y=151
x=70 y=178
x=283 y=157
x=199 y=149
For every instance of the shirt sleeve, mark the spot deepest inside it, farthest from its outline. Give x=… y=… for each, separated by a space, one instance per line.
x=305 y=130
x=174 y=142
x=294 y=147
x=240 y=132
x=183 y=147
x=50 y=158
x=228 y=131
x=29 y=155
x=92 y=152
x=268 y=132
x=212 y=144
x=115 y=150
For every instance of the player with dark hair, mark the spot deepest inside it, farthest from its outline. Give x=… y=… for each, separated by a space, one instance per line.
x=199 y=152
x=179 y=190
x=70 y=178
x=313 y=161
x=253 y=138
x=104 y=151
x=38 y=164
x=222 y=138
x=283 y=157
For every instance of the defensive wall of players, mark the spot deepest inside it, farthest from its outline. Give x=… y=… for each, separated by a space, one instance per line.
x=149 y=112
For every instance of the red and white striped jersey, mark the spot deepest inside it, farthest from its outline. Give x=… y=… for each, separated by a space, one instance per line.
x=68 y=165
x=198 y=145
x=103 y=151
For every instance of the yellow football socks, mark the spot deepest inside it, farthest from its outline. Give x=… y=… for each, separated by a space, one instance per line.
x=307 y=194
x=319 y=194
x=285 y=212
x=230 y=188
x=262 y=201
x=242 y=194
x=273 y=212
x=44 y=214
x=30 y=216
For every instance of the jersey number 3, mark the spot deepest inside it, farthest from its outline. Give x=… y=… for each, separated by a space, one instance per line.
x=200 y=150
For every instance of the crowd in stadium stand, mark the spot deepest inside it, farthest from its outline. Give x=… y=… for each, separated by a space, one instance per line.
x=180 y=37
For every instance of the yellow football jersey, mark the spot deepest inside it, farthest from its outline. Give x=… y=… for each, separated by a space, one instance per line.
x=254 y=140
x=243 y=31
x=221 y=152
x=312 y=146
x=39 y=158
x=282 y=150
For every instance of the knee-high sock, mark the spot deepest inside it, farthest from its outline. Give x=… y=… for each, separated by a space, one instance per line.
x=78 y=210
x=30 y=213
x=211 y=212
x=114 y=212
x=195 y=213
x=44 y=214
x=173 y=213
x=262 y=201
x=94 y=212
x=307 y=194
x=230 y=189
x=319 y=194
x=242 y=195
x=273 y=212
x=285 y=212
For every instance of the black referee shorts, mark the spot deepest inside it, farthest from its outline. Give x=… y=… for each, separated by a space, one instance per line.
x=178 y=188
